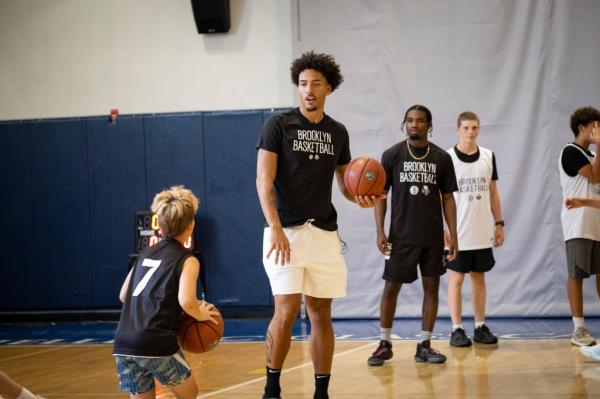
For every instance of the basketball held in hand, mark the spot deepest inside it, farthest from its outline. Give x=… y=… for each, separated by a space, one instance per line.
x=199 y=336
x=364 y=176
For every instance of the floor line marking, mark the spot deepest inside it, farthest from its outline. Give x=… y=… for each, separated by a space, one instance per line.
x=33 y=353
x=286 y=371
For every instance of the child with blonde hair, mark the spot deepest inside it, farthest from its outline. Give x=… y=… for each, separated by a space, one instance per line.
x=160 y=285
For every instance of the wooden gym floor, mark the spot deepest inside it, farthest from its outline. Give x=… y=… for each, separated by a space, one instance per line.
x=535 y=368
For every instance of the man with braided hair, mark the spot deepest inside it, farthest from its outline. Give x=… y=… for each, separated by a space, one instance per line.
x=421 y=177
x=299 y=152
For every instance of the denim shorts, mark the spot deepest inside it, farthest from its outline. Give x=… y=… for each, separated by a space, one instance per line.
x=136 y=373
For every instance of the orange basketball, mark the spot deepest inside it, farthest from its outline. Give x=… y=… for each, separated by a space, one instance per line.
x=364 y=176
x=199 y=336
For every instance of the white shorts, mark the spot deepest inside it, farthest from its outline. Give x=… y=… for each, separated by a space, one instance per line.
x=317 y=267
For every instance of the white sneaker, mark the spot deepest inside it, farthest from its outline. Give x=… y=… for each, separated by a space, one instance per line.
x=592 y=352
x=581 y=337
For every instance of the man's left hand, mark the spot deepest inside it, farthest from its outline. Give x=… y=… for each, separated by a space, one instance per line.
x=368 y=201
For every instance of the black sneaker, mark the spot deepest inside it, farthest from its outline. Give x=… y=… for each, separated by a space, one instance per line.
x=425 y=353
x=265 y=396
x=459 y=338
x=381 y=354
x=483 y=335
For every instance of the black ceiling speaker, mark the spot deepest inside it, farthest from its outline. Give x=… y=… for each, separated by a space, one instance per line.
x=212 y=16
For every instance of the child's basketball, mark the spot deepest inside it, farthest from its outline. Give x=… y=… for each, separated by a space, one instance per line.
x=364 y=176
x=199 y=336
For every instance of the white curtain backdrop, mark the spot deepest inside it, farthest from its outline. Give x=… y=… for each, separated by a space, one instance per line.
x=522 y=65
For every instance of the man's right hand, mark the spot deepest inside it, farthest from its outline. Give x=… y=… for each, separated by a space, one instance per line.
x=383 y=245
x=281 y=246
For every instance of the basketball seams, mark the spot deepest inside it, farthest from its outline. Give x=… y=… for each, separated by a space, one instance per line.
x=360 y=178
x=214 y=329
x=188 y=324
x=199 y=336
x=353 y=190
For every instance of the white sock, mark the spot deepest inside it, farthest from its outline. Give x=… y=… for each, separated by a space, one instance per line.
x=578 y=322
x=25 y=394
x=426 y=335
x=479 y=323
x=457 y=326
x=386 y=334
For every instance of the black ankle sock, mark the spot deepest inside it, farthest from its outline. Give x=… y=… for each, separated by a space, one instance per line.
x=272 y=389
x=321 y=386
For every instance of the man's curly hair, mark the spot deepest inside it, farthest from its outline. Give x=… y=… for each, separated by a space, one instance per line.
x=583 y=116
x=323 y=63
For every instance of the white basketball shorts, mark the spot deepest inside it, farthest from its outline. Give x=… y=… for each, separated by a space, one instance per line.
x=317 y=267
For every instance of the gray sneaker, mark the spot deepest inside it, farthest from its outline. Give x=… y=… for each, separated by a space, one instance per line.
x=581 y=337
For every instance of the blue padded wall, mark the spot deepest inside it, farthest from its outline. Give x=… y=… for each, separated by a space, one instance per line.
x=175 y=156
x=117 y=178
x=61 y=219
x=16 y=240
x=236 y=274
x=72 y=187
x=174 y=153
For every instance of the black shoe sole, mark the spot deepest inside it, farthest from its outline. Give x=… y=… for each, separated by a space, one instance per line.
x=377 y=363
x=466 y=345
x=420 y=360
x=486 y=343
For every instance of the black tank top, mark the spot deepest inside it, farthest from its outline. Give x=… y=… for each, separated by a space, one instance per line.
x=148 y=323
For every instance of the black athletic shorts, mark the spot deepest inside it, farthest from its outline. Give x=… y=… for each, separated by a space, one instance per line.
x=477 y=260
x=401 y=267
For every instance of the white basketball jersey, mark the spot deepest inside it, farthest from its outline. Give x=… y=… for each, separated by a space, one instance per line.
x=581 y=222
x=474 y=219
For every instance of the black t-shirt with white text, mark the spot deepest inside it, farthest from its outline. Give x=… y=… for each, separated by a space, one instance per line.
x=307 y=156
x=416 y=188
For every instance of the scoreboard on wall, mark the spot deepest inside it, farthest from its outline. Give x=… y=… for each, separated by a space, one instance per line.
x=147 y=232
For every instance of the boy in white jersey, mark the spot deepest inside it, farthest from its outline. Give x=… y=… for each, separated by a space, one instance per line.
x=479 y=227
x=592 y=352
x=579 y=171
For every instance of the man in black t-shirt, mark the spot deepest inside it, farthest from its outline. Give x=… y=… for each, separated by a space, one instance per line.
x=422 y=179
x=299 y=152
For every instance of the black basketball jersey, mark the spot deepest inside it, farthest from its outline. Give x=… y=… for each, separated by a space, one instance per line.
x=307 y=156
x=148 y=323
